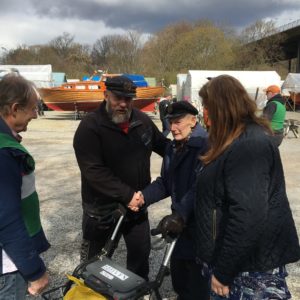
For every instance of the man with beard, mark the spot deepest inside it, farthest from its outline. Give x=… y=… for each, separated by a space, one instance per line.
x=113 y=146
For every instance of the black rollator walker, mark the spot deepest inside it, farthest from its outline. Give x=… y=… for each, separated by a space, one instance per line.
x=110 y=280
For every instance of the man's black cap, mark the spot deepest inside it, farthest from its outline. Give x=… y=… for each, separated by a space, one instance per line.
x=180 y=108
x=121 y=86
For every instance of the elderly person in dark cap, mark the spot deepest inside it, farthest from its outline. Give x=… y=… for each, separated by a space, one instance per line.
x=113 y=146
x=178 y=174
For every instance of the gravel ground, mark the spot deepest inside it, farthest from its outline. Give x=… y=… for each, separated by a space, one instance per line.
x=49 y=139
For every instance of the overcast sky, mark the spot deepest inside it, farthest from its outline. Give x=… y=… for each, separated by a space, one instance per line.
x=38 y=21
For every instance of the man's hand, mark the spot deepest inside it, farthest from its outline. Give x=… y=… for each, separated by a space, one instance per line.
x=171 y=224
x=218 y=287
x=136 y=202
x=37 y=286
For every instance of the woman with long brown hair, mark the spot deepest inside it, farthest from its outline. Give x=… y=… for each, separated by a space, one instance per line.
x=245 y=230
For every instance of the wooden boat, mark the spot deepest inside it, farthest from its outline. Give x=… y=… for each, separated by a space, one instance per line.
x=74 y=96
x=87 y=95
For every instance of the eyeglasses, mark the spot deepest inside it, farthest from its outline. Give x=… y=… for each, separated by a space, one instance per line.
x=33 y=109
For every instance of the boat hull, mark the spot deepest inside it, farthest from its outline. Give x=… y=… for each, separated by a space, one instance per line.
x=88 y=100
x=146 y=105
x=85 y=106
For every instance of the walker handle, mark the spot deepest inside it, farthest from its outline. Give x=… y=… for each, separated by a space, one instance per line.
x=155 y=231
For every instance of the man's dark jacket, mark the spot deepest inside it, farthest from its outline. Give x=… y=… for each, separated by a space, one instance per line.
x=244 y=221
x=114 y=164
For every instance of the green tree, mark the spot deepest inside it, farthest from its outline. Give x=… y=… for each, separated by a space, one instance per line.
x=157 y=56
x=184 y=46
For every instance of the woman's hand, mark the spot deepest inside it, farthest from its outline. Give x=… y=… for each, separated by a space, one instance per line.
x=218 y=287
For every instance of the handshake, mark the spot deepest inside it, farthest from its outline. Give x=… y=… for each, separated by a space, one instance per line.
x=136 y=202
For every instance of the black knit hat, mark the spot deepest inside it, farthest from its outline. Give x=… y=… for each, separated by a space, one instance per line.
x=180 y=108
x=121 y=86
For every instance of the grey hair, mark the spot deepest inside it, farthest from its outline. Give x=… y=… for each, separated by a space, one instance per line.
x=15 y=89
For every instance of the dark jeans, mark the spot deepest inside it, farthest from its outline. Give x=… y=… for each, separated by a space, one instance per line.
x=187 y=280
x=12 y=286
x=277 y=138
x=136 y=233
x=165 y=126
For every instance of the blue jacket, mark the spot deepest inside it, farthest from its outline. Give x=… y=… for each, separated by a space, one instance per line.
x=16 y=238
x=178 y=175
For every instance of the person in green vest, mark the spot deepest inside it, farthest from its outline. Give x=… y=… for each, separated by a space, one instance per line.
x=275 y=112
x=22 y=238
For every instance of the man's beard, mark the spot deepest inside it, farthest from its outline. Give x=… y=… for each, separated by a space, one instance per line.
x=116 y=116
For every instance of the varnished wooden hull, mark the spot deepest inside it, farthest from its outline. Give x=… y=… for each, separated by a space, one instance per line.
x=149 y=92
x=54 y=95
x=89 y=100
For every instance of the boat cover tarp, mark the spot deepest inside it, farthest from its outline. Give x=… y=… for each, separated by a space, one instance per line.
x=254 y=81
x=291 y=83
x=139 y=80
x=41 y=75
x=93 y=78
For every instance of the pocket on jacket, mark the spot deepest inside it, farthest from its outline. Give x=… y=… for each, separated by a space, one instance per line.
x=94 y=229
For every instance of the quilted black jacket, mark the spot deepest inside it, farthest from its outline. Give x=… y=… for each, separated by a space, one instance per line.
x=244 y=221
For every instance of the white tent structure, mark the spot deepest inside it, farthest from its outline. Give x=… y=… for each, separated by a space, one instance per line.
x=291 y=88
x=291 y=83
x=181 y=78
x=173 y=90
x=41 y=75
x=254 y=82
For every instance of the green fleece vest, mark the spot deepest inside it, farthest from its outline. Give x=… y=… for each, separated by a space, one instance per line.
x=278 y=117
x=30 y=201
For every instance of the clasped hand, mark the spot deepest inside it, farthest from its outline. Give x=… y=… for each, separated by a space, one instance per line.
x=219 y=288
x=136 y=202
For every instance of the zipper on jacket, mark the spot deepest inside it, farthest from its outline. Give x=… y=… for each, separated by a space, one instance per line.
x=214 y=228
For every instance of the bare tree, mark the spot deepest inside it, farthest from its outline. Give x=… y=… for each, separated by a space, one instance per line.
x=63 y=44
x=177 y=48
x=72 y=57
x=259 y=30
x=260 y=46
x=118 y=53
